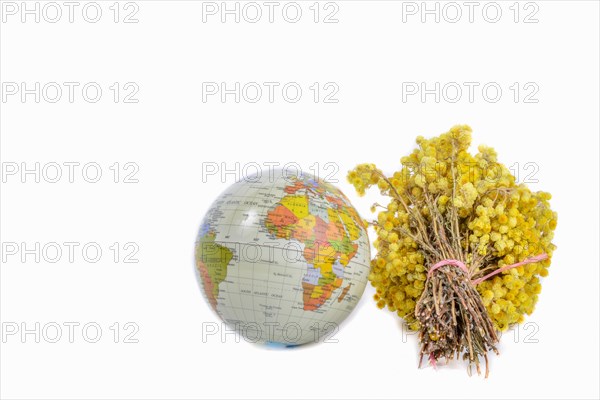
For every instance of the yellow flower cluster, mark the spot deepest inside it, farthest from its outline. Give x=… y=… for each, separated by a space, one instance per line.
x=500 y=222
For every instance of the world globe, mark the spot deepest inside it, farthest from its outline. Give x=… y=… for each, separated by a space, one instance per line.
x=282 y=258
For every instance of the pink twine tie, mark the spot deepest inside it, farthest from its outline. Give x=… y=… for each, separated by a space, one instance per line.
x=449 y=261
x=462 y=266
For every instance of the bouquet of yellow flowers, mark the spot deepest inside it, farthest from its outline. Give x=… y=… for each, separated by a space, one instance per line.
x=460 y=245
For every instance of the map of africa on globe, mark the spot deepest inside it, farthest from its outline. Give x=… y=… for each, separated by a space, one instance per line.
x=283 y=259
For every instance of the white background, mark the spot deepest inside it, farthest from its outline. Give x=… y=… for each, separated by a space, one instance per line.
x=170 y=132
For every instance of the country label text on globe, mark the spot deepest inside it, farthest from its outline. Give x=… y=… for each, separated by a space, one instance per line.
x=283 y=259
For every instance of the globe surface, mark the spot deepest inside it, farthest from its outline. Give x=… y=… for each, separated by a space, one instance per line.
x=282 y=259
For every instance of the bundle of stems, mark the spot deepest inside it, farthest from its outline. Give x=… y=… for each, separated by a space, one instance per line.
x=452 y=318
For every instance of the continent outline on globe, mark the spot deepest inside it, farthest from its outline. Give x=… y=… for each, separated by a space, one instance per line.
x=328 y=234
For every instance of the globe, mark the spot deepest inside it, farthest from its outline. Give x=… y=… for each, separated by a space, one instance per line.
x=282 y=258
